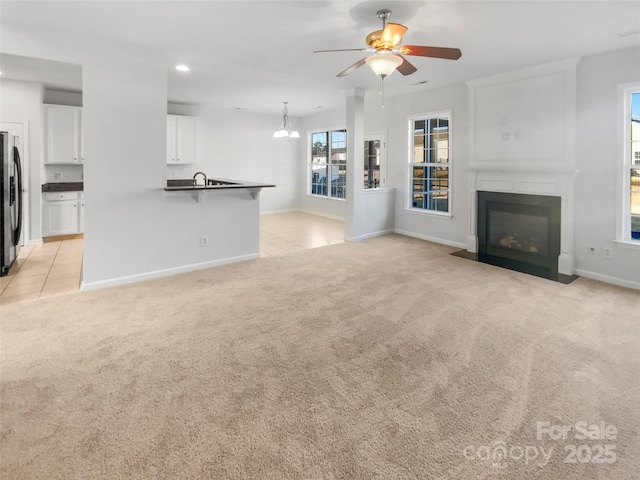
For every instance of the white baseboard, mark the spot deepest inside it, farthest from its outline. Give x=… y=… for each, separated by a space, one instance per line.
x=431 y=239
x=360 y=238
x=85 y=286
x=378 y=234
x=608 y=279
x=37 y=241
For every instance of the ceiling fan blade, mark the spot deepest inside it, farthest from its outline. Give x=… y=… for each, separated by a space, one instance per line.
x=392 y=34
x=343 y=50
x=435 y=52
x=405 y=68
x=352 y=68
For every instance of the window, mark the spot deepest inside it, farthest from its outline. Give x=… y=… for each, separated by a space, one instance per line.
x=632 y=166
x=628 y=215
x=375 y=145
x=429 y=162
x=329 y=163
x=371 y=164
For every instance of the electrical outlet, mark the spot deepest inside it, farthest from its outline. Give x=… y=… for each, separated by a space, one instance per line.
x=204 y=240
x=175 y=174
x=592 y=250
x=608 y=253
x=57 y=175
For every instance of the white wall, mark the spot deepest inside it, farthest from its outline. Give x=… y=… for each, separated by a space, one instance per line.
x=451 y=230
x=378 y=211
x=124 y=127
x=21 y=102
x=394 y=120
x=240 y=145
x=598 y=159
x=132 y=229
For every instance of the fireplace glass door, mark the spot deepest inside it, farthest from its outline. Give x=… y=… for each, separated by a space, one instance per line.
x=520 y=232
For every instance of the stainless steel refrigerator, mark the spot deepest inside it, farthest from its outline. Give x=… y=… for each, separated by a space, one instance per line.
x=11 y=206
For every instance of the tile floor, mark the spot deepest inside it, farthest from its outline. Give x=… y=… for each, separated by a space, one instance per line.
x=54 y=268
x=43 y=271
x=283 y=233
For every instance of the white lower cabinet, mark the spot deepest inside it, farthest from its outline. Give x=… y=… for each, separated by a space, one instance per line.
x=62 y=213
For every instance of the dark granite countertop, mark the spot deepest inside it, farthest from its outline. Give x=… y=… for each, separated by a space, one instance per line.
x=212 y=184
x=63 y=187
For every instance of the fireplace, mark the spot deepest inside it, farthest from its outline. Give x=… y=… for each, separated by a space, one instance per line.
x=520 y=232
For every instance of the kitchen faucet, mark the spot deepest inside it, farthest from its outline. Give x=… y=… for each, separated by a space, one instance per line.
x=199 y=173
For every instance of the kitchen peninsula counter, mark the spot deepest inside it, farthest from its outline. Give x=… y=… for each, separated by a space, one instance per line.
x=214 y=224
x=213 y=184
x=213 y=188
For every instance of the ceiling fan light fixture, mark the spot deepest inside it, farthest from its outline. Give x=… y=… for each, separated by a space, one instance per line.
x=384 y=63
x=286 y=129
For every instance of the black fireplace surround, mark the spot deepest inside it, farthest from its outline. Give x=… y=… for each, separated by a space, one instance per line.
x=519 y=232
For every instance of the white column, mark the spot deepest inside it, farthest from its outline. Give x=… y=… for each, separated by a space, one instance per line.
x=355 y=165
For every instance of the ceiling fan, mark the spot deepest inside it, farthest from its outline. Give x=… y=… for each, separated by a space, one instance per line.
x=388 y=51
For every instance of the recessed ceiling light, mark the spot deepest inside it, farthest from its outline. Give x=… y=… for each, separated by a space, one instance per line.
x=182 y=68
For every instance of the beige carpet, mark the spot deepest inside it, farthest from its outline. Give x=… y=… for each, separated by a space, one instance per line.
x=387 y=359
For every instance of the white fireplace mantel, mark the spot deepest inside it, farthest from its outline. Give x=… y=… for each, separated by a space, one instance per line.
x=522 y=140
x=556 y=184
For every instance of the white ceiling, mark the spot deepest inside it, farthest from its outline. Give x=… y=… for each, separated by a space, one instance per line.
x=255 y=54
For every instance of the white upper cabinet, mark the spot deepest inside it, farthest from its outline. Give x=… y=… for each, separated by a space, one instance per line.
x=181 y=139
x=63 y=134
x=171 y=139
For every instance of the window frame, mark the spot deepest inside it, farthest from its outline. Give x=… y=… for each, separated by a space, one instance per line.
x=411 y=119
x=309 y=153
x=623 y=217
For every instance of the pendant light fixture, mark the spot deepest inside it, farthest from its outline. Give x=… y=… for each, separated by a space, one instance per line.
x=286 y=130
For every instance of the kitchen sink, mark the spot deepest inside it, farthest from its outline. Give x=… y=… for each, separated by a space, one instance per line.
x=219 y=182
x=178 y=183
